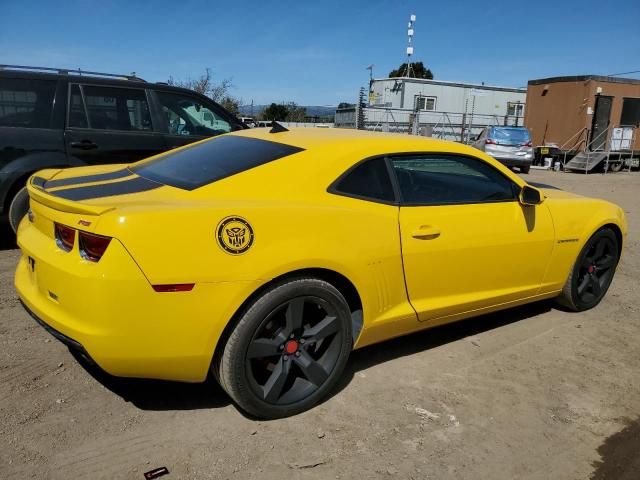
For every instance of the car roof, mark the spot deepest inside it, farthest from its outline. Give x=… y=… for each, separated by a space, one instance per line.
x=334 y=137
x=72 y=77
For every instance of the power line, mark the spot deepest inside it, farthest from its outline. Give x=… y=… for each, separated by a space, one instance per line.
x=622 y=73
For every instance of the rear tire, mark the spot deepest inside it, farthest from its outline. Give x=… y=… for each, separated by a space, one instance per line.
x=18 y=208
x=592 y=273
x=288 y=349
x=525 y=169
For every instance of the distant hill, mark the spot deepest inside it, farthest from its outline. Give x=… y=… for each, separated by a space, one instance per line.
x=312 y=110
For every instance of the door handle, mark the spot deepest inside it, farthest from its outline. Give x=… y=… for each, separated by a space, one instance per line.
x=84 y=145
x=426 y=233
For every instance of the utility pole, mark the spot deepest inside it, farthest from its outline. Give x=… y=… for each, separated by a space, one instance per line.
x=412 y=20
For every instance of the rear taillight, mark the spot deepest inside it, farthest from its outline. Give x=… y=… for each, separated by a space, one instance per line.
x=65 y=236
x=92 y=247
x=490 y=141
x=528 y=144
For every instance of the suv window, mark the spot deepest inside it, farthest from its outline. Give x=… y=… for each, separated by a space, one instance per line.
x=208 y=162
x=26 y=103
x=187 y=115
x=112 y=108
x=369 y=180
x=77 y=113
x=440 y=179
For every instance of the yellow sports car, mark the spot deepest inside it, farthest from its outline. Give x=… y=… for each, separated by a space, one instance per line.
x=266 y=256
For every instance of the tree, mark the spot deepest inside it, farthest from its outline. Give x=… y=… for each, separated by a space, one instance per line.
x=205 y=85
x=345 y=105
x=295 y=113
x=275 y=112
x=418 y=70
x=231 y=104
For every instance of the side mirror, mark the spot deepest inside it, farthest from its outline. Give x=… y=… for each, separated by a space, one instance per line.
x=530 y=196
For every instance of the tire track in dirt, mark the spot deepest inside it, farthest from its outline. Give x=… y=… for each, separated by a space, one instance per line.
x=108 y=458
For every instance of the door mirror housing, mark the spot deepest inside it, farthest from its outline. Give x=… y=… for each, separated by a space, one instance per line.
x=530 y=196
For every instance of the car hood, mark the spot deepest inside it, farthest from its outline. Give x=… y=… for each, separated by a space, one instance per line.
x=550 y=191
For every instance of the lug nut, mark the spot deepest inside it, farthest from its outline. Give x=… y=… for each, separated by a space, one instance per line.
x=281 y=347
x=302 y=340
x=297 y=354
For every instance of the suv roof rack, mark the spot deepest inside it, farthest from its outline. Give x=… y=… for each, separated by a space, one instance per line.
x=67 y=71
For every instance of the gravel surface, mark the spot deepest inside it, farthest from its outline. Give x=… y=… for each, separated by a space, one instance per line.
x=532 y=392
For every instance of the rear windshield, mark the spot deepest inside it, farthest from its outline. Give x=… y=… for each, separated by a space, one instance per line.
x=210 y=161
x=510 y=136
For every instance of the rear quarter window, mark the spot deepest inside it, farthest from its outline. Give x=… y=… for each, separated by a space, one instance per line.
x=26 y=103
x=208 y=162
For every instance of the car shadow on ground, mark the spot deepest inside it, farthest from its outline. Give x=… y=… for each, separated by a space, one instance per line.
x=164 y=395
x=7 y=237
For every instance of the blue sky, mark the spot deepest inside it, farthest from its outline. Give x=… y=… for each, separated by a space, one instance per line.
x=315 y=53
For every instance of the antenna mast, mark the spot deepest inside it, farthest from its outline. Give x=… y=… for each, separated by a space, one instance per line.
x=409 y=71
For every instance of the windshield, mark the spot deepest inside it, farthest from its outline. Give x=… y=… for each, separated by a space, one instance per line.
x=207 y=162
x=510 y=136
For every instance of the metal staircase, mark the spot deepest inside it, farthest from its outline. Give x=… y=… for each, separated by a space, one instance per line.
x=586 y=161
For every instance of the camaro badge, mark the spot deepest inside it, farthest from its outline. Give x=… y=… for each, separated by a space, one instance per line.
x=235 y=235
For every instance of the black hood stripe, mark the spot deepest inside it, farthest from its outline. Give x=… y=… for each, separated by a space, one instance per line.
x=135 y=185
x=99 y=177
x=38 y=182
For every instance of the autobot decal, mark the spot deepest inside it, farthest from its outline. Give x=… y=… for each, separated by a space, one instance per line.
x=235 y=235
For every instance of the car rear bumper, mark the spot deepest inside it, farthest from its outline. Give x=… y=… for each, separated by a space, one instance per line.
x=513 y=160
x=109 y=312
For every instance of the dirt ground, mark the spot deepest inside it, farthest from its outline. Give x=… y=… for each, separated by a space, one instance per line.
x=533 y=392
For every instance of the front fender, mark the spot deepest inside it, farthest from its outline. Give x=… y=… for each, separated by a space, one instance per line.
x=576 y=220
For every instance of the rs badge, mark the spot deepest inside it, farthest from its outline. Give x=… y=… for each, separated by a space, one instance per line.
x=235 y=235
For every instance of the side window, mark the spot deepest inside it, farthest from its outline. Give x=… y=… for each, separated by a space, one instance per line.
x=77 y=113
x=440 y=179
x=112 y=108
x=26 y=103
x=370 y=180
x=189 y=116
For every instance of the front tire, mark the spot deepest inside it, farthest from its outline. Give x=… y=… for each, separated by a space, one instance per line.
x=18 y=208
x=592 y=273
x=525 y=169
x=288 y=349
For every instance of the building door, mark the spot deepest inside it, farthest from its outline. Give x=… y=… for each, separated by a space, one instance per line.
x=600 y=124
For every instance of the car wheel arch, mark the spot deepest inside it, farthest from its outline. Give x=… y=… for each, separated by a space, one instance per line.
x=343 y=284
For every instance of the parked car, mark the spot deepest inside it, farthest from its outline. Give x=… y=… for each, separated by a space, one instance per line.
x=264 y=257
x=52 y=118
x=509 y=145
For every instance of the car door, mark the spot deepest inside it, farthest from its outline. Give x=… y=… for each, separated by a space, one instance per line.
x=467 y=242
x=188 y=118
x=107 y=124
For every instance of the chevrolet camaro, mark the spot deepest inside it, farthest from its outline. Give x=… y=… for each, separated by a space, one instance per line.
x=264 y=257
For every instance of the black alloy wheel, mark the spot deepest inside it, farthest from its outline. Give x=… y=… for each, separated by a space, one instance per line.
x=288 y=349
x=593 y=272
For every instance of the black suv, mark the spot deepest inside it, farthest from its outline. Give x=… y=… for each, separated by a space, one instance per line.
x=51 y=118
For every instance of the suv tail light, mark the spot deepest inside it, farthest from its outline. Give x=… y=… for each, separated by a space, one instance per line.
x=65 y=236
x=92 y=247
x=528 y=144
x=490 y=141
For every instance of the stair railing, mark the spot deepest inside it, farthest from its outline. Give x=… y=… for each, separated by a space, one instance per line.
x=590 y=144
x=578 y=137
